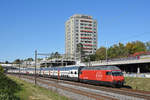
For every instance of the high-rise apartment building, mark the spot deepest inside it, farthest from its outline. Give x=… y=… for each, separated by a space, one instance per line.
x=80 y=29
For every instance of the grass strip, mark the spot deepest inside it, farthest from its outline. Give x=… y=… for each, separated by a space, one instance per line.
x=8 y=88
x=138 y=83
x=31 y=92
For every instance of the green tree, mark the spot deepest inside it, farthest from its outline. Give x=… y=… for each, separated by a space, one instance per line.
x=90 y=58
x=122 y=51
x=130 y=48
x=93 y=57
x=113 y=51
x=117 y=51
x=101 y=53
x=57 y=55
x=80 y=50
x=54 y=55
x=51 y=56
x=1 y=70
x=17 y=61
x=147 y=46
x=6 y=62
x=135 y=46
x=140 y=46
x=29 y=59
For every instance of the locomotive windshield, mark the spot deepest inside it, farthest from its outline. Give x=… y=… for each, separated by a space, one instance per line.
x=117 y=73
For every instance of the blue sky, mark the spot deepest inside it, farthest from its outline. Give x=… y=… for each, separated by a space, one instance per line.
x=26 y=25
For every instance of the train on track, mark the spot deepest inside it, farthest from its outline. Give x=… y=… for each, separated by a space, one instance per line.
x=99 y=75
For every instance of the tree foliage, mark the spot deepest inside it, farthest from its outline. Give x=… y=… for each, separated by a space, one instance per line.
x=1 y=70
x=17 y=61
x=55 y=55
x=120 y=50
x=8 y=88
x=147 y=45
x=101 y=53
x=136 y=46
x=6 y=62
x=80 y=51
x=29 y=59
x=117 y=51
x=90 y=58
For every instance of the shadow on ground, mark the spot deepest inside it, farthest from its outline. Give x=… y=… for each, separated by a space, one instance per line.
x=127 y=86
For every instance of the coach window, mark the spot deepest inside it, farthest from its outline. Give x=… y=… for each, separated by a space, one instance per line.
x=71 y=72
x=75 y=73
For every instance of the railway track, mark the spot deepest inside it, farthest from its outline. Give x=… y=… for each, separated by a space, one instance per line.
x=128 y=92
x=86 y=95
x=124 y=91
x=96 y=92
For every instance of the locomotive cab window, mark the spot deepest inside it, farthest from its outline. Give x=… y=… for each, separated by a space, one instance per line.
x=108 y=73
x=117 y=73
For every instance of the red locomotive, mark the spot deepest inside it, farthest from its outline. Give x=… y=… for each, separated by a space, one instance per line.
x=102 y=75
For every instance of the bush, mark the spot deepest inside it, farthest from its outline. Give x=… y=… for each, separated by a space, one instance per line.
x=8 y=87
x=1 y=70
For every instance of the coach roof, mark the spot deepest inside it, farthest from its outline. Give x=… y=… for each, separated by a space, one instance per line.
x=101 y=68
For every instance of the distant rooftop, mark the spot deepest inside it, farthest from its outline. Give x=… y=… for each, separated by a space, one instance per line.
x=81 y=16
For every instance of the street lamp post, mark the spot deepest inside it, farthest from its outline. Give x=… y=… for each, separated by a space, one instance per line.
x=35 y=65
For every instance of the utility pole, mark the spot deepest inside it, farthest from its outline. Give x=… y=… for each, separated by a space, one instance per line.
x=106 y=54
x=35 y=66
x=26 y=64
x=62 y=60
x=19 y=70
